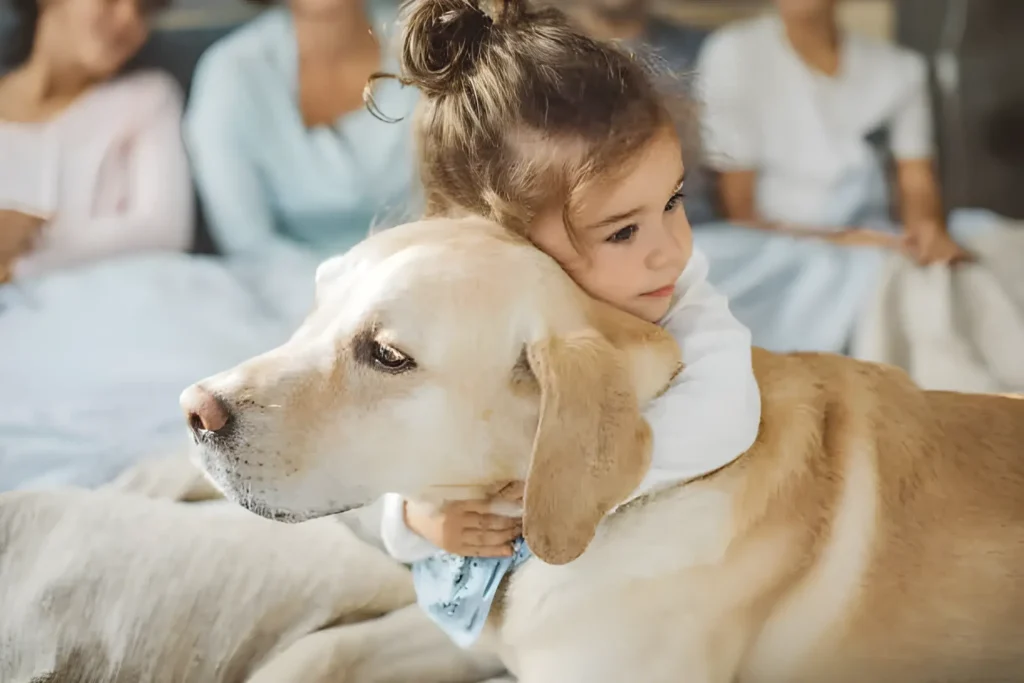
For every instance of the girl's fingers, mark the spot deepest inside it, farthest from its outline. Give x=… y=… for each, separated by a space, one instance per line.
x=474 y=538
x=491 y=522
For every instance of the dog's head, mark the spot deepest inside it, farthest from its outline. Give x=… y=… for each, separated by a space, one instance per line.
x=441 y=358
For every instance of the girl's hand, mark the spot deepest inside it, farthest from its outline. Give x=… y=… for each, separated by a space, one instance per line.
x=468 y=528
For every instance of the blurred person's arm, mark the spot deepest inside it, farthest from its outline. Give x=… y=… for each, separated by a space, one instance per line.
x=920 y=201
x=17 y=233
x=921 y=213
x=730 y=134
x=919 y=195
x=233 y=194
x=736 y=192
x=158 y=213
x=234 y=197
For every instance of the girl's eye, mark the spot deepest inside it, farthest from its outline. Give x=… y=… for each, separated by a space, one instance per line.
x=675 y=201
x=623 y=235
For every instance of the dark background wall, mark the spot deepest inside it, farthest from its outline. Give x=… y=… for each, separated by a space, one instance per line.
x=976 y=48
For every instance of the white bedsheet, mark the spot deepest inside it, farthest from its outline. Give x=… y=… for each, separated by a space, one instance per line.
x=92 y=360
x=959 y=329
x=805 y=294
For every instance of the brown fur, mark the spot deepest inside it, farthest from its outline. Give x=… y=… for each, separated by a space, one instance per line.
x=943 y=582
x=590 y=438
x=940 y=597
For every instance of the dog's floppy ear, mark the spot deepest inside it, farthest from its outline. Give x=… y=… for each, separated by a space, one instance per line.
x=592 y=446
x=652 y=353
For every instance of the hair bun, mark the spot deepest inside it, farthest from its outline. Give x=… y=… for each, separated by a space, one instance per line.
x=442 y=40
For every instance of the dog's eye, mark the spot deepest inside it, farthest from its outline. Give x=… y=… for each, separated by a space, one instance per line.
x=391 y=359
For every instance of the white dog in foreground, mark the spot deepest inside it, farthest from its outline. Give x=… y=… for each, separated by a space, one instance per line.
x=874 y=532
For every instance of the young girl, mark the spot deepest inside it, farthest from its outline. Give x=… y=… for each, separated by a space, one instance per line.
x=567 y=141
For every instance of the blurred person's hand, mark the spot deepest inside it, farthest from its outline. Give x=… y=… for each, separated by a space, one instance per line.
x=18 y=232
x=866 y=237
x=847 y=237
x=468 y=527
x=927 y=242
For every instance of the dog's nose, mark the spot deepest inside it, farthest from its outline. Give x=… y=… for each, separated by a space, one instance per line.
x=205 y=412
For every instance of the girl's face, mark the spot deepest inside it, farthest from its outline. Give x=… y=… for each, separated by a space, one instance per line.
x=632 y=238
x=97 y=36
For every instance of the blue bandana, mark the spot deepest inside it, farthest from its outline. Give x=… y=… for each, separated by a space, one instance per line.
x=457 y=592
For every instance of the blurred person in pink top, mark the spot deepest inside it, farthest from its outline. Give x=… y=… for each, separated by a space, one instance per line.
x=92 y=164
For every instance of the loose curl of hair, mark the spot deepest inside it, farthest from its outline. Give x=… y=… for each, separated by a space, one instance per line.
x=522 y=111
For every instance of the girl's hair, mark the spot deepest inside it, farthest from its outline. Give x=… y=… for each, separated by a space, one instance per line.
x=521 y=111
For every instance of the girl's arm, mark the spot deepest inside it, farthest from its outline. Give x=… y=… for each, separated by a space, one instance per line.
x=401 y=542
x=711 y=413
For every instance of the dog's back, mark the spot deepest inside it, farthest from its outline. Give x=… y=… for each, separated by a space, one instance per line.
x=875 y=531
x=907 y=515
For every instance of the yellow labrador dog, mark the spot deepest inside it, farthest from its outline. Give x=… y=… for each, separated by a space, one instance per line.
x=874 y=532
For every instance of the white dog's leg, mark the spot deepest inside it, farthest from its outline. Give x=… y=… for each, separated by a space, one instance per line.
x=401 y=647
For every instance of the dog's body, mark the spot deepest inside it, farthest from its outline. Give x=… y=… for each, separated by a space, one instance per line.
x=874 y=531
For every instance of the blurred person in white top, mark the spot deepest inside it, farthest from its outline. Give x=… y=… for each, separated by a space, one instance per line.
x=799 y=116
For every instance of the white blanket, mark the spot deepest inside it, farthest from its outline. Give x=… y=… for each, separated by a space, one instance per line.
x=795 y=294
x=92 y=359
x=959 y=329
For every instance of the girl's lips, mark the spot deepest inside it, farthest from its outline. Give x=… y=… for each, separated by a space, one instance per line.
x=663 y=292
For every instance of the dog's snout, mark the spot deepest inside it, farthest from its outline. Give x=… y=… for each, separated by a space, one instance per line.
x=205 y=412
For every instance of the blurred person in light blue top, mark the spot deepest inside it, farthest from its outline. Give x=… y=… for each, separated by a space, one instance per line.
x=291 y=166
